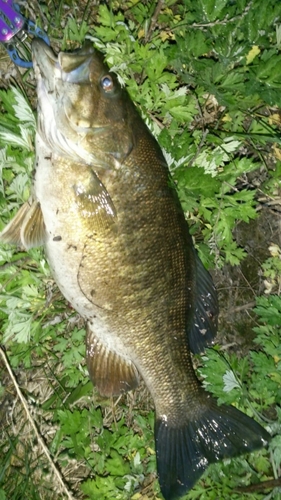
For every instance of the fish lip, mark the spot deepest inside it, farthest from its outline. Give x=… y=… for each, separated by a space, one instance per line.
x=45 y=64
x=41 y=50
x=72 y=67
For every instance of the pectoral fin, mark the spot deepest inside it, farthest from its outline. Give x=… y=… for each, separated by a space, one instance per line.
x=111 y=373
x=27 y=228
x=95 y=204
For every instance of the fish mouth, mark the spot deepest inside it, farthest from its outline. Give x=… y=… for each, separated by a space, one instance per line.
x=69 y=67
x=54 y=75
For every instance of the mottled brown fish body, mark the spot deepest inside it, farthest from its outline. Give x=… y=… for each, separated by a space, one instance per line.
x=120 y=251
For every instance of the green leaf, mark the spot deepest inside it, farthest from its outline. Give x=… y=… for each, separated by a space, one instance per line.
x=269 y=309
x=23 y=110
x=79 y=392
x=116 y=465
x=2 y=495
x=230 y=381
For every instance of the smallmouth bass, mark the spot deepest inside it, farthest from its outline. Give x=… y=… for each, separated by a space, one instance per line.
x=119 y=248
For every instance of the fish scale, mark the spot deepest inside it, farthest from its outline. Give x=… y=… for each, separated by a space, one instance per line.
x=115 y=235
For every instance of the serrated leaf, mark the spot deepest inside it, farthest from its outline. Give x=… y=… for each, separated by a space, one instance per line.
x=230 y=381
x=116 y=465
x=23 y=110
x=23 y=140
x=19 y=327
x=181 y=113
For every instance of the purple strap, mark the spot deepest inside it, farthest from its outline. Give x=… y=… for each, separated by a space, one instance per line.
x=11 y=21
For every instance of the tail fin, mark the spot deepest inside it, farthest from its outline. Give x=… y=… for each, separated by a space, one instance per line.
x=184 y=453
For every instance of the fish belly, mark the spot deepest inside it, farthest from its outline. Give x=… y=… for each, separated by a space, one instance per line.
x=65 y=242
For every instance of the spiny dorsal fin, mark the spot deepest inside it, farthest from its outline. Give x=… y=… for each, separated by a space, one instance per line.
x=110 y=373
x=27 y=228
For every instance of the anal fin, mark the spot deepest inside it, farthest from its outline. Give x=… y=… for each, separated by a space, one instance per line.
x=111 y=373
x=27 y=228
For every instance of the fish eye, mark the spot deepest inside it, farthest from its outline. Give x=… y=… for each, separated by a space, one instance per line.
x=107 y=83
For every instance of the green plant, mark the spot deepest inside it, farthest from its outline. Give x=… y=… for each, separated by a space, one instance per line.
x=206 y=80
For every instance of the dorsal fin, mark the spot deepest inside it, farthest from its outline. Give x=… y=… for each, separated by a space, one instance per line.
x=205 y=322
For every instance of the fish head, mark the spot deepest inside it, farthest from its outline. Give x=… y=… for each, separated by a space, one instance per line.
x=83 y=112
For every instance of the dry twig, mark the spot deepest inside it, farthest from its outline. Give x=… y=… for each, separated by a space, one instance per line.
x=33 y=424
x=154 y=18
x=263 y=485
